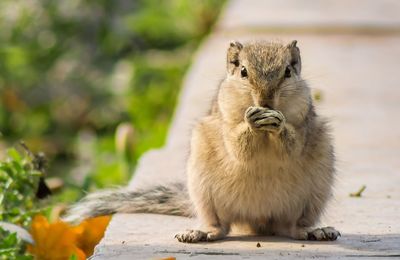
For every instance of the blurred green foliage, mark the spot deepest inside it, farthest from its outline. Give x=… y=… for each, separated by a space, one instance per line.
x=19 y=180
x=11 y=247
x=72 y=70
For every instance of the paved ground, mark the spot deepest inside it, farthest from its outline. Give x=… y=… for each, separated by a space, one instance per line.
x=351 y=54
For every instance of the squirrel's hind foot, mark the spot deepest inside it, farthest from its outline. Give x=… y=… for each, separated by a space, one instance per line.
x=319 y=234
x=194 y=236
x=191 y=236
x=324 y=234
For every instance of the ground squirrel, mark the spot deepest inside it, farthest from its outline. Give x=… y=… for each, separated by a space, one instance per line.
x=262 y=156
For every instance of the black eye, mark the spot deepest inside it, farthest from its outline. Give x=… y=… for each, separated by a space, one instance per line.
x=287 y=72
x=243 y=72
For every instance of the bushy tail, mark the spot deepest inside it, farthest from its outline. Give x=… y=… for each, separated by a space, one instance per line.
x=172 y=199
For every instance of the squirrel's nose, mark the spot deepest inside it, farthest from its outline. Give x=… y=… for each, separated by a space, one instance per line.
x=267 y=100
x=267 y=104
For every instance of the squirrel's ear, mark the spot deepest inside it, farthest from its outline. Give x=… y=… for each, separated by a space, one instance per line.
x=232 y=58
x=295 y=59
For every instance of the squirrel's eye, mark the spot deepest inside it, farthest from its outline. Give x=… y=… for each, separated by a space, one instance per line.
x=287 y=72
x=243 y=72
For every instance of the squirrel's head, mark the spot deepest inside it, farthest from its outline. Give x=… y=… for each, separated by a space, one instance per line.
x=269 y=72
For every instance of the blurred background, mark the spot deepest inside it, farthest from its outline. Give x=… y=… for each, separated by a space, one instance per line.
x=93 y=84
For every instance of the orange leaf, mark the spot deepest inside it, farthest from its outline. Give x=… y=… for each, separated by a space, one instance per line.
x=90 y=232
x=53 y=240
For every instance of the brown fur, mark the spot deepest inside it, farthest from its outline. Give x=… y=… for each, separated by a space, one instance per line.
x=262 y=157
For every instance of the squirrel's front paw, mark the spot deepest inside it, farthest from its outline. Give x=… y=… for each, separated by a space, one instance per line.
x=260 y=118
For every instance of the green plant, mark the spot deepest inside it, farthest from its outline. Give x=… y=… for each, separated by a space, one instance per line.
x=19 y=180
x=12 y=247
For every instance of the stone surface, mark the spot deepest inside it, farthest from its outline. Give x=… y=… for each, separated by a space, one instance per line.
x=309 y=15
x=356 y=75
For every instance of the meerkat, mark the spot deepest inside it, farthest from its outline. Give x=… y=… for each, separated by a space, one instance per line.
x=262 y=156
